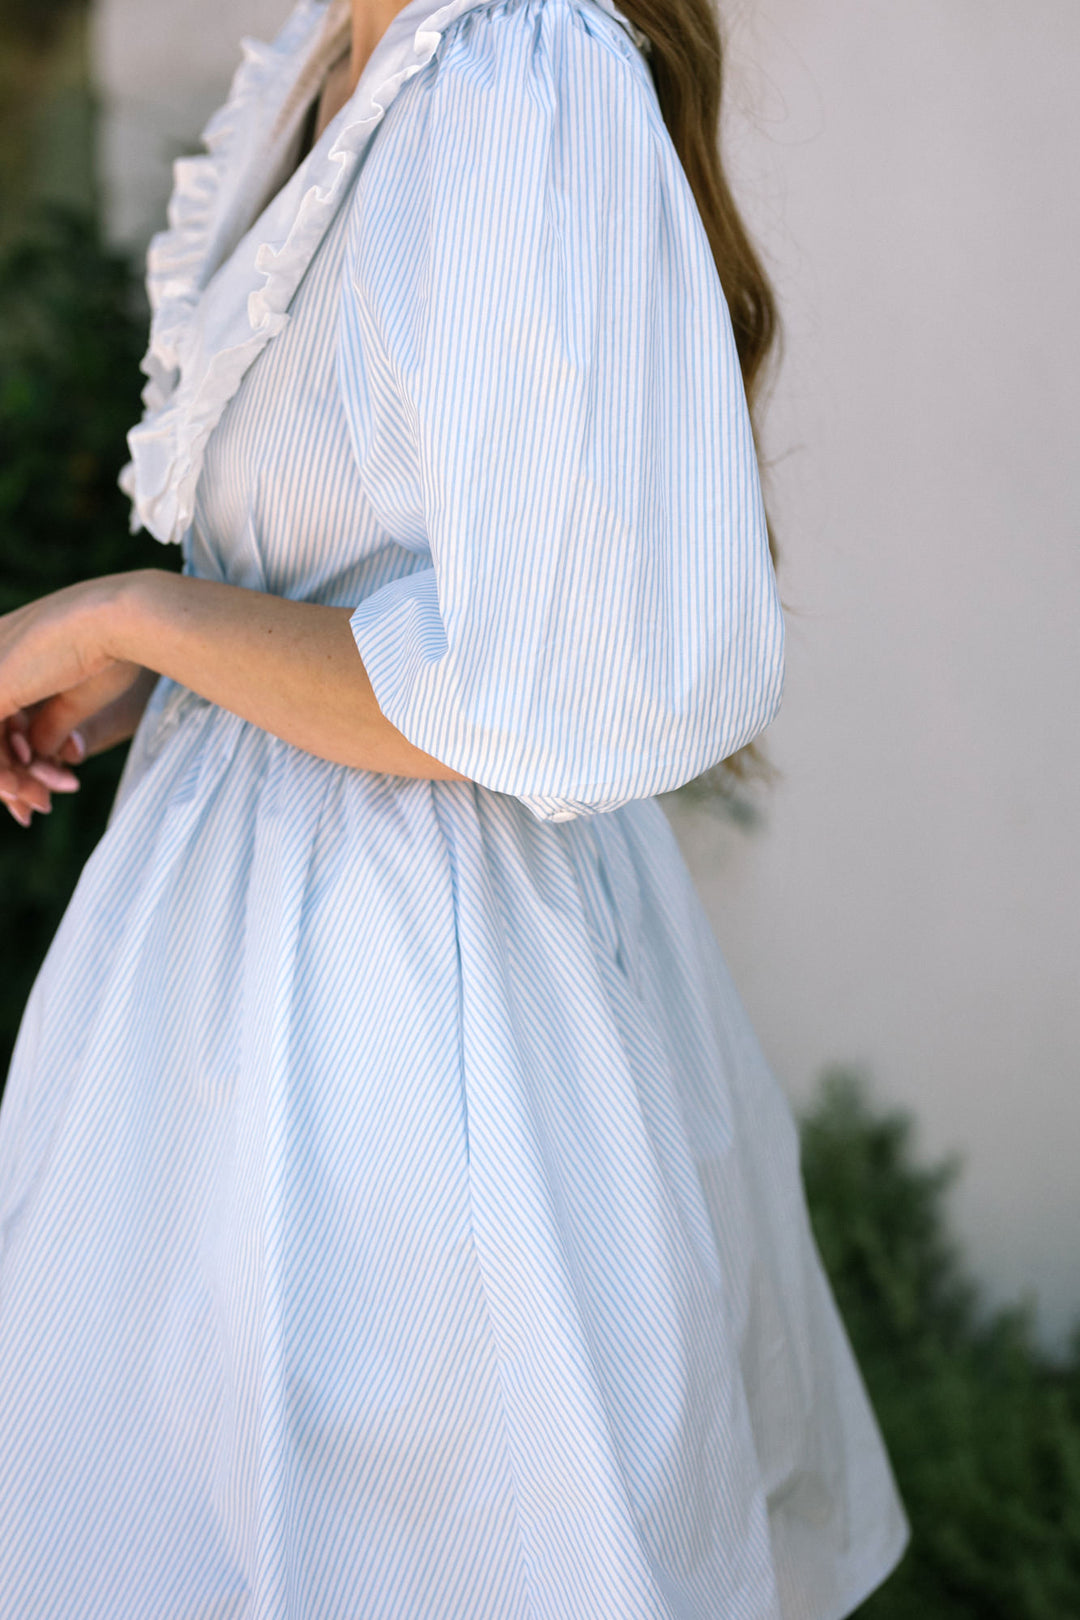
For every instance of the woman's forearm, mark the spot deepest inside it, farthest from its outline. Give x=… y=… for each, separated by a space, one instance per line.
x=290 y=667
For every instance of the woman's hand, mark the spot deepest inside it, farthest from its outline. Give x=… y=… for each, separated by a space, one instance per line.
x=53 y=645
x=76 y=699
x=27 y=783
x=93 y=716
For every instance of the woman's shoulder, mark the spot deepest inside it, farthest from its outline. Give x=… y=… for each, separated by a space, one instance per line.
x=489 y=24
x=562 y=55
x=532 y=145
x=544 y=100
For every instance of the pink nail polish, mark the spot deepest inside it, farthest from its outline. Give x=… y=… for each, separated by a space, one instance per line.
x=20 y=747
x=53 y=777
x=78 y=742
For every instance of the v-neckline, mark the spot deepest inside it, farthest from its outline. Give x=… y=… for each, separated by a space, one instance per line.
x=284 y=148
x=241 y=237
x=309 y=133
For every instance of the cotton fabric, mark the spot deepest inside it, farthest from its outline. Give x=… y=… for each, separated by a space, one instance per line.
x=398 y=1218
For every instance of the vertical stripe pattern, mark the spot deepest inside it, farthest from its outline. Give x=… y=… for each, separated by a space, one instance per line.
x=397 y=1217
x=543 y=389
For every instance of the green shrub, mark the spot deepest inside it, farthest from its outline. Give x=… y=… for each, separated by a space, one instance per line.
x=983 y=1429
x=71 y=335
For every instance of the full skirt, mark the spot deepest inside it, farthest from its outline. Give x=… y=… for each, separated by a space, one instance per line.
x=398 y=1221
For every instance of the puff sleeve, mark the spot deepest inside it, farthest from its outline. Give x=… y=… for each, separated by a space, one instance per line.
x=545 y=402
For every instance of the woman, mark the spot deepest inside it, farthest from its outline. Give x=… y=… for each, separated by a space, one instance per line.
x=398 y=1217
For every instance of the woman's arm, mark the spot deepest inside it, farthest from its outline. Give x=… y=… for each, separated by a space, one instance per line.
x=290 y=667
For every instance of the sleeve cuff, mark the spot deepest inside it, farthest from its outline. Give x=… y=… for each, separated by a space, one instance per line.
x=401 y=638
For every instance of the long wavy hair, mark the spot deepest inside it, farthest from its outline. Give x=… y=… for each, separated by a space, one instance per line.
x=686 y=56
x=687 y=60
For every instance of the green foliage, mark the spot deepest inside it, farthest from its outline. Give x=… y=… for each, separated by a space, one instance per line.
x=983 y=1429
x=37 y=19
x=71 y=335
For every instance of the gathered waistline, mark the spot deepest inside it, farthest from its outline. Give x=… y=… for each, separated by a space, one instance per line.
x=178 y=703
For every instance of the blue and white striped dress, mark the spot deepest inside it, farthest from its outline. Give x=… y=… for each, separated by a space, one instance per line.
x=398 y=1219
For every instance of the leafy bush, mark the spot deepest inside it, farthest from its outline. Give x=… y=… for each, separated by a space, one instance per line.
x=71 y=336
x=37 y=19
x=983 y=1429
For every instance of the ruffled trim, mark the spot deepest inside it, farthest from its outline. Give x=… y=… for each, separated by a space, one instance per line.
x=205 y=333
x=207 y=330
x=178 y=262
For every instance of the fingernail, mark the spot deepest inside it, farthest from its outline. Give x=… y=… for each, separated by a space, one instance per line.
x=53 y=777
x=78 y=742
x=21 y=816
x=20 y=747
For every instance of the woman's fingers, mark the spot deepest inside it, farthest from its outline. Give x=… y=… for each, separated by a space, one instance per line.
x=54 y=777
x=22 y=801
x=16 y=809
x=38 y=745
x=73 y=750
x=21 y=792
x=111 y=725
x=18 y=750
x=93 y=715
x=56 y=718
x=25 y=790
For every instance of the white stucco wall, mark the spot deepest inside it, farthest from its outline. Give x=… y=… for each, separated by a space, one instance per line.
x=913 y=903
x=161 y=70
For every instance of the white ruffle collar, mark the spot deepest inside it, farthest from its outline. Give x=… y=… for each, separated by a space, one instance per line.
x=208 y=327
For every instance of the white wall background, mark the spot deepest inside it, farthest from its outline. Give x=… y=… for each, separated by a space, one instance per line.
x=913 y=902
x=162 y=66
